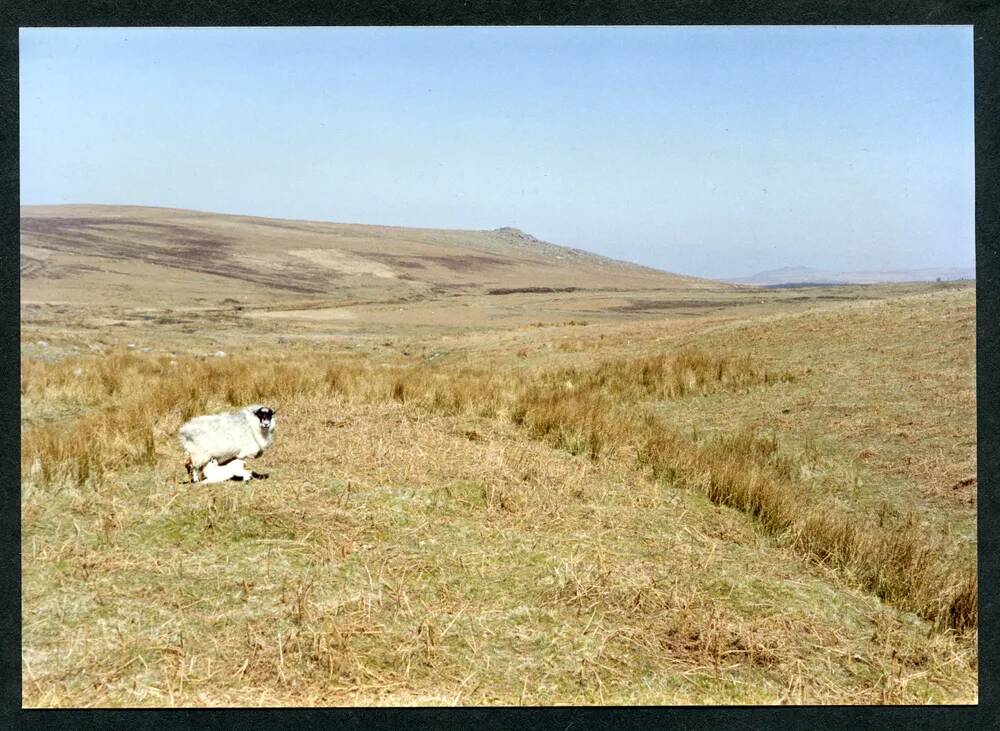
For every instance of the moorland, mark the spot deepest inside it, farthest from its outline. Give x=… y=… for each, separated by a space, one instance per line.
x=505 y=472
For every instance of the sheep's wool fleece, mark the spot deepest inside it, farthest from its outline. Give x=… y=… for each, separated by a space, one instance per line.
x=224 y=436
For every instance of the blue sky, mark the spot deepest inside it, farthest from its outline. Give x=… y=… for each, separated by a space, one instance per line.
x=711 y=151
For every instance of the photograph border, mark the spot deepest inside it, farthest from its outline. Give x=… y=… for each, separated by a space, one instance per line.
x=985 y=19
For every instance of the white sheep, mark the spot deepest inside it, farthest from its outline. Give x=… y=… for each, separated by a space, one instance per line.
x=226 y=437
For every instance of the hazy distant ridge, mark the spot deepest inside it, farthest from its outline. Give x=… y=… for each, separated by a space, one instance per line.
x=810 y=275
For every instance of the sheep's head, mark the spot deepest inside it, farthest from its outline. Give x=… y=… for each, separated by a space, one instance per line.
x=267 y=418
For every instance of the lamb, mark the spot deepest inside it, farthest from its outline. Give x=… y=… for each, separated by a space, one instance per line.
x=226 y=437
x=233 y=470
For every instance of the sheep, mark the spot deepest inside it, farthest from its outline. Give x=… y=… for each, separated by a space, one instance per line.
x=226 y=437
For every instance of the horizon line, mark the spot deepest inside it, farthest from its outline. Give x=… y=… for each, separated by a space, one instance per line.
x=726 y=279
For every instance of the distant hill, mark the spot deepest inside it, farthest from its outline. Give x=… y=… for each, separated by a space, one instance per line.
x=85 y=253
x=809 y=275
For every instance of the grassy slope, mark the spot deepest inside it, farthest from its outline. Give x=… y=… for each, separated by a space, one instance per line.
x=401 y=554
x=890 y=397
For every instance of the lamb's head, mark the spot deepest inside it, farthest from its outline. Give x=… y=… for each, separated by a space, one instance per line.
x=267 y=418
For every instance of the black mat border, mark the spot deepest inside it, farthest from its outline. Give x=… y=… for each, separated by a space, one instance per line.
x=984 y=15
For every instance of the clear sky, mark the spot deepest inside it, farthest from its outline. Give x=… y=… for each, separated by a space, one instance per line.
x=711 y=151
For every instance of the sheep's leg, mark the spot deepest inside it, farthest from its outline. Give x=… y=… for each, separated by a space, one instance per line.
x=191 y=470
x=258 y=475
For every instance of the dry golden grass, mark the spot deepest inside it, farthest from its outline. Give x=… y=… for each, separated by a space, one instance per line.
x=904 y=567
x=446 y=532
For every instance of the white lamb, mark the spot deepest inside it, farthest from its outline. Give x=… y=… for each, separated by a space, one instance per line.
x=233 y=470
x=227 y=437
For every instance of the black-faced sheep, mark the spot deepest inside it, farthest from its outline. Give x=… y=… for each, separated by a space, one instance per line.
x=226 y=437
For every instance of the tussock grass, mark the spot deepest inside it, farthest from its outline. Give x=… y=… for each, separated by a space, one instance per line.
x=133 y=406
x=903 y=566
x=140 y=401
x=670 y=376
x=394 y=588
x=578 y=423
x=669 y=520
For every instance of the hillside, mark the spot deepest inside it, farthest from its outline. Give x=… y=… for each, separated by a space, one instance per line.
x=90 y=253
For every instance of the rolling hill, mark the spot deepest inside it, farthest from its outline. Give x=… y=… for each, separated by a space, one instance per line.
x=90 y=253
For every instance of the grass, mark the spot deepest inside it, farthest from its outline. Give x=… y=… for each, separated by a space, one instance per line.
x=595 y=525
